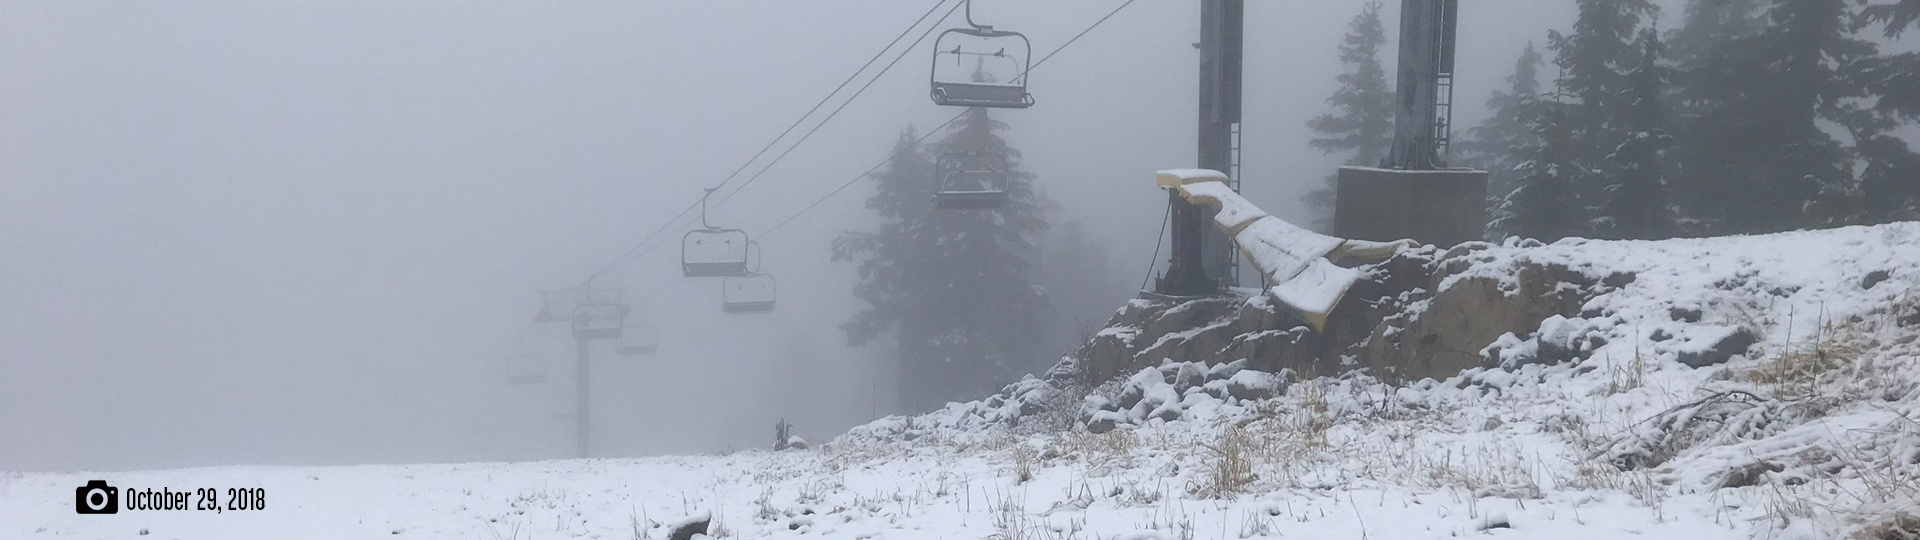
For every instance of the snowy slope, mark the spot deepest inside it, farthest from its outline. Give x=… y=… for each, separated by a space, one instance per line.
x=1594 y=427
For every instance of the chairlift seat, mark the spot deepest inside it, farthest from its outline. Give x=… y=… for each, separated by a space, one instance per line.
x=967 y=94
x=756 y=306
x=714 y=269
x=970 y=200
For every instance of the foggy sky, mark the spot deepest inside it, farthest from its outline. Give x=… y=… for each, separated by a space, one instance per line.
x=310 y=232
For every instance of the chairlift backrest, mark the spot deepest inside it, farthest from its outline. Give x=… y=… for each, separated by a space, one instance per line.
x=637 y=340
x=752 y=293
x=974 y=160
x=599 y=321
x=998 y=76
x=562 y=305
x=714 y=252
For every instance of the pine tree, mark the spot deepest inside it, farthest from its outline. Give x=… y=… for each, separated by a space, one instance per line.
x=1595 y=57
x=955 y=288
x=1890 y=175
x=1544 y=207
x=1636 y=205
x=1803 y=174
x=1362 y=121
x=1714 y=63
x=1889 y=180
x=1711 y=28
x=1894 y=15
x=1492 y=145
x=1594 y=60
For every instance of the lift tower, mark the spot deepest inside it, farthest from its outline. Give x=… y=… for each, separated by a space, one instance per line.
x=593 y=314
x=1414 y=194
x=1203 y=258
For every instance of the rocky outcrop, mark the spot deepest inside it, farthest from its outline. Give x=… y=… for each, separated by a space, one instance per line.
x=1393 y=323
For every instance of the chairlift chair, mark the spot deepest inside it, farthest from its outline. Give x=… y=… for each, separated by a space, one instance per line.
x=637 y=341
x=713 y=251
x=970 y=190
x=974 y=180
x=563 y=305
x=751 y=293
x=599 y=320
x=1009 y=55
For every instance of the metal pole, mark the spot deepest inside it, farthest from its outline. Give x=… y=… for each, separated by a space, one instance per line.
x=1200 y=253
x=1425 y=104
x=1221 y=53
x=581 y=345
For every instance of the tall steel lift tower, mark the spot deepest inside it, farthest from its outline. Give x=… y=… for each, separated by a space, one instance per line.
x=1203 y=258
x=1414 y=194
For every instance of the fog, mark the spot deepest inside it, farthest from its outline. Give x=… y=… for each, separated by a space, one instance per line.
x=311 y=232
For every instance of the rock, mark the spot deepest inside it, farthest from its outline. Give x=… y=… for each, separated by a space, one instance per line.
x=1460 y=321
x=1736 y=341
x=1491 y=424
x=1619 y=279
x=1874 y=278
x=1217 y=389
x=1065 y=370
x=1253 y=386
x=1170 y=412
x=1747 y=475
x=685 y=530
x=1130 y=396
x=1685 y=315
x=1274 y=350
x=1190 y=375
x=1221 y=372
x=1101 y=425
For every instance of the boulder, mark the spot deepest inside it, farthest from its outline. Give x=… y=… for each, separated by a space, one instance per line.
x=1720 y=349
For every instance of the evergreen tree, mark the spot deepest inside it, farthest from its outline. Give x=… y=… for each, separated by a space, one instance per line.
x=1890 y=179
x=1802 y=171
x=1595 y=61
x=1362 y=121
x=955 y=288
x=1544 y=207
x=1710 y=28
x=1636 y=205
x=1895 y=15
x=1890 y=175
x=1492 y=145
x=1714 y=60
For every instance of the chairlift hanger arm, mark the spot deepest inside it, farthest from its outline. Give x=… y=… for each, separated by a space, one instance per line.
x=970 y=19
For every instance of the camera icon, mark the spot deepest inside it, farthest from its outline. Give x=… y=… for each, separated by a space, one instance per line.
x=96 y=498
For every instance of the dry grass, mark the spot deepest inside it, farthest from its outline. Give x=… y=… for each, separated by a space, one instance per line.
x=1228 y=465
x=1797 y=373
x=1093 y=449
x=1901 y=525
x=1023 y=458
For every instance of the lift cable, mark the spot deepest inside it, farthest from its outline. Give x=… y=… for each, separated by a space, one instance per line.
x=842 y=107
x=876 y=167
x=776 y=140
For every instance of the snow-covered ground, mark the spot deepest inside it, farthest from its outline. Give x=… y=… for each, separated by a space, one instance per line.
x=1594 y=427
